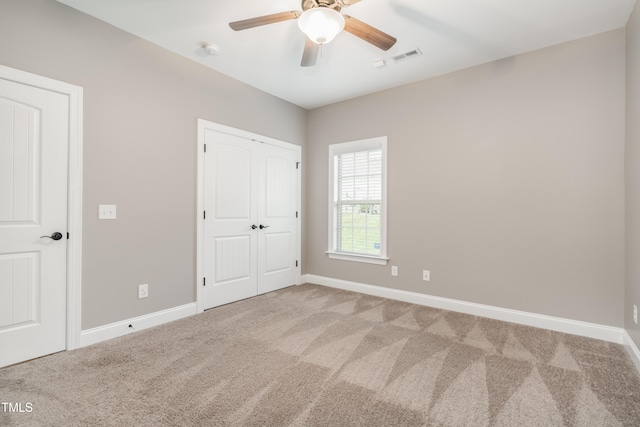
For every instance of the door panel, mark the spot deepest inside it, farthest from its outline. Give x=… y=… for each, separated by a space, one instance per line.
x=18 y=162
x=232 y=177
x=34 y=139
x=277 y=247
x=233 y=258
x=279 y=201
x=230 y=242
x=277 y=252
x=18 y=273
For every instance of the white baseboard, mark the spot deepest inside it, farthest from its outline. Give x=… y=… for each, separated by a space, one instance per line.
x=575 y=327
x=124 y=327
x=632 y=349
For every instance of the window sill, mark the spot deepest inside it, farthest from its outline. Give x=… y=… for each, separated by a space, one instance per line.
x=358 y=258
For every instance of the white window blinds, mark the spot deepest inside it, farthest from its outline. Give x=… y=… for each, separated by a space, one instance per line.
x=359 y=196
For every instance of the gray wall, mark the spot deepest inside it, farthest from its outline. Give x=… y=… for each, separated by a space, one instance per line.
x=632 y=169
x=505 y=180
x=141 y=105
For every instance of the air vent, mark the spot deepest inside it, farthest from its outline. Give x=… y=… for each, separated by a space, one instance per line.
x=406 y=55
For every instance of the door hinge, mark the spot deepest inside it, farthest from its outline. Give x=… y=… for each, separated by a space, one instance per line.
x=205 y=148
x=296 y=263
x=296 y=214
x=204 y=214
x=204 y=281
x=67 y=235
x=297 y=165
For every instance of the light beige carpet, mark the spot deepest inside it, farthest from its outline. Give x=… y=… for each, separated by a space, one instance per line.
x=316 y=356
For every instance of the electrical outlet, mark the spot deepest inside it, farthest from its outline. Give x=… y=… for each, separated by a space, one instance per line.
x=107 y=211
x=394 y=270
x=426 y=275
x=635 y=314
x=143 y=291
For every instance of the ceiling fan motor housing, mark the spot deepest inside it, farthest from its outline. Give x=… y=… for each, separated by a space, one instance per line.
x=331 y=4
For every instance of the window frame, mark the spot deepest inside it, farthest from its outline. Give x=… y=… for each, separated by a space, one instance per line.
x=352 y=147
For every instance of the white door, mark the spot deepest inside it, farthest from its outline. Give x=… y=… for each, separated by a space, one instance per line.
x=277 y=239
x=230 y=242
x=250 y=227
x=34 y=135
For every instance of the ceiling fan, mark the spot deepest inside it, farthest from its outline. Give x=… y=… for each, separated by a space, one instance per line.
x=321 y=21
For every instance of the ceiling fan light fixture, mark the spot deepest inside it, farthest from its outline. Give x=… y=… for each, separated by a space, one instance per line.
x=321 y=24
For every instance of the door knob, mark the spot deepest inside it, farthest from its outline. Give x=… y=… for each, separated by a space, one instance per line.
x=55 y=236
x=263 y=226
x=253 y=226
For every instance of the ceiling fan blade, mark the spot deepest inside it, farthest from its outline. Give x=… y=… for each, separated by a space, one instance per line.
x=264 y=20
x=368 y=33
x=310 y=54
x=346 y=3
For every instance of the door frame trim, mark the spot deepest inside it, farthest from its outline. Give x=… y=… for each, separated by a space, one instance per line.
x=207 y=125
x=74 y=192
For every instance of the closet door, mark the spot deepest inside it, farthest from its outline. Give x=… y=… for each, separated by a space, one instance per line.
x=230 y=230
x=251 y=237
x=277 y=204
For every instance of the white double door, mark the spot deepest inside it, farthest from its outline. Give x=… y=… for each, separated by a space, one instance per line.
x=251 y=225
x=34 y=137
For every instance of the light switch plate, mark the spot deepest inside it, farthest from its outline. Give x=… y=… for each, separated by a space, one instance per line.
x=106 y=211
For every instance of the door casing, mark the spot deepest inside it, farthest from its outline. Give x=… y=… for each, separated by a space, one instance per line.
x=74 y=193
x=205 y=124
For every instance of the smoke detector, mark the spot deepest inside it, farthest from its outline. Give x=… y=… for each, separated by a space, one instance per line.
x=210 y=49
x=379 y=63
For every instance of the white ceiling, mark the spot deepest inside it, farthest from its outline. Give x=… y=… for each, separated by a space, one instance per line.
x=452 y=34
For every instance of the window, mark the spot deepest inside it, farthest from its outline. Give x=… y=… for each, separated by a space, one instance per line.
x=357 y=201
